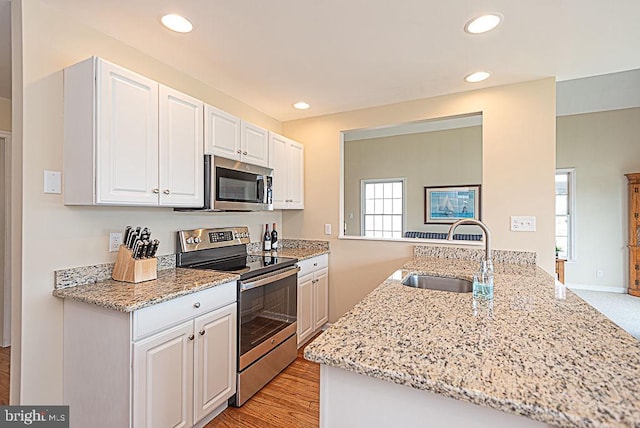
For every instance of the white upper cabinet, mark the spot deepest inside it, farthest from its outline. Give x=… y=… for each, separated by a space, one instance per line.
x=127 y=137
x=181 y=149
x=221 y=133
x=255 y=144
x=127 y=141
x=286 y=158
x=230 y=137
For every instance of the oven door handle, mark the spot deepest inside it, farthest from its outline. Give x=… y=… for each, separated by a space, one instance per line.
x=268 y=279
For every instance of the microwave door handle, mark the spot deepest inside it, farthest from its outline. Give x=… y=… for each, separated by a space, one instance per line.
x=268 y=279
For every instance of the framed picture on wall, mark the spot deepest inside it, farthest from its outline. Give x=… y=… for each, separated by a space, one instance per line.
x=448 y=204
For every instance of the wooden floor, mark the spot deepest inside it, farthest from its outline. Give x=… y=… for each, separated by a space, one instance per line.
x=5 y=359
x=290 y=400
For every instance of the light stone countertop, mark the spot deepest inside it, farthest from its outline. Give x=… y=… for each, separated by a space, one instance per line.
x=297 y=253
x=553 y=359
x=127 y=297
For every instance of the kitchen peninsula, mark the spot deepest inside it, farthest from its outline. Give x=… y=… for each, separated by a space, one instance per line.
x=413 y=357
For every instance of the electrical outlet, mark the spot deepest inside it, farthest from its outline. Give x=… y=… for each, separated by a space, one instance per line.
x=523 y=224
x=115 y=240
x=599 y=273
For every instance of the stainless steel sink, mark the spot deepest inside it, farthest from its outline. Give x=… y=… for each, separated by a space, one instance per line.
x=455 y=285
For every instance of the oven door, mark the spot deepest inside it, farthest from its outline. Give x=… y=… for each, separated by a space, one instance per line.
x=267 y=307
x=238 y=186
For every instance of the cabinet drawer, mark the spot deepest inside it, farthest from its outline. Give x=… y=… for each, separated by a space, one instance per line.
x=311 y=265
x=158 y=317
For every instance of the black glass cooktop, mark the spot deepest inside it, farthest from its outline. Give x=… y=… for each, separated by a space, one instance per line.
x=250 y=265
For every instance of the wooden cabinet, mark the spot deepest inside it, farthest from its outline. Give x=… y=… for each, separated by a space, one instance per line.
x=634 y=233
x=313 y=296
x=167 y=365
x=128 y=140
x=286 y=158
x=230 y=137
x=560 y=269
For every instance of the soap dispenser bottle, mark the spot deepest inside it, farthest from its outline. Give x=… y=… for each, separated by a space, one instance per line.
x=483 y=281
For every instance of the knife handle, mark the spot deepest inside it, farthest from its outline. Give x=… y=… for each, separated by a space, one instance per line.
x=125 y=236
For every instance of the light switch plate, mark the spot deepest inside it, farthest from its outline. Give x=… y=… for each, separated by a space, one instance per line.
x=52 y=182
x=327 y=229
x=523 y=224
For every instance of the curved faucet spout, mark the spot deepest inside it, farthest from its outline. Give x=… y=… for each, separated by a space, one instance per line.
x=485 y=230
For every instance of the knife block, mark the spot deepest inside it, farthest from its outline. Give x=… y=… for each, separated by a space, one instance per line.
x=128 y=269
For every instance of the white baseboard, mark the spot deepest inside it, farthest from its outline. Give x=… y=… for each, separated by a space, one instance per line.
x=622 y=290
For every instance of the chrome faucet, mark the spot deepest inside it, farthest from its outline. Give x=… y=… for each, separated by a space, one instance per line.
x=485 y=230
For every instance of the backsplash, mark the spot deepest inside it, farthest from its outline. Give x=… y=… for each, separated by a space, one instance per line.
x=94 y=273
x=498 y=256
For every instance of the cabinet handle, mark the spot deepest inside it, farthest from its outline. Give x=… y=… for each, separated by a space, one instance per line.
x=239 y=151
x=315 y=264
x=156 y=190
x=202 y=332
x=191 y=337
x=244 y=153
x=196 y=305
x=166 y=191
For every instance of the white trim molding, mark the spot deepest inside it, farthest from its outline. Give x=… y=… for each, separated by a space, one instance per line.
x=604 y=288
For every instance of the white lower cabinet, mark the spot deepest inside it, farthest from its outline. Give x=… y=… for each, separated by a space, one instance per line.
x=172 y=364
x=313 y=296
x=183 y=374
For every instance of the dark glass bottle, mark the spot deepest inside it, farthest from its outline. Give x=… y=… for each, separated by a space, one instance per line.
x=274 y=238
x=267 y=238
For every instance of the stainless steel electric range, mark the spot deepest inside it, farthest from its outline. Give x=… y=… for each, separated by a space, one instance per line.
x=267 y=301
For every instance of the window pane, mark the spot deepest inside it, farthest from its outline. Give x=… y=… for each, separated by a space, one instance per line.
x=369 y=191
x=561 y=242
x=561 y=226
x=388 y=190
x=397 y=189
x=369 y=203
x=397 y=206
x=388 y=206
x=562 y=183
x=386 y=223
x=379 y=190
x=368 y=222
x=378 y=206
x=561 y=204
x=377 y=222
x=397 y=223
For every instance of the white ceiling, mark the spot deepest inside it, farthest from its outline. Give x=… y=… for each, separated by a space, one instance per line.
x=342 y=55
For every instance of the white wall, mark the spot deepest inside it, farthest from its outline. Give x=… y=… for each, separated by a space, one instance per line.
x=602 y=147
x=518 y=148
x=55 y=236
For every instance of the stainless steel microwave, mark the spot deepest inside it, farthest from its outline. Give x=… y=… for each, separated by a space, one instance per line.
x=231 y=185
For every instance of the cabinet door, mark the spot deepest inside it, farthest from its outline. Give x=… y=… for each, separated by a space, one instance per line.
x=221 y=133
x=278 y=161
x=215 y=360
x=127 y=137
x=255 y=144
x=321 y=298
x=163 y=379
x=305 y=307
x=634 y=215
x=296 y=175
x=181 y=150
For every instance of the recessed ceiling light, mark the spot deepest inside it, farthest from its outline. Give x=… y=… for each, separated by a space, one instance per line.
x=478 y=76
x=177 y=23
x=483 y=23
x=301 y=105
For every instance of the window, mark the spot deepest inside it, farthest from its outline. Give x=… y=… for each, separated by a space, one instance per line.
x=383 y=208
x=565 y=213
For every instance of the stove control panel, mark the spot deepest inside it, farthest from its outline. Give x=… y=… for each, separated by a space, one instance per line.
x=200 y=239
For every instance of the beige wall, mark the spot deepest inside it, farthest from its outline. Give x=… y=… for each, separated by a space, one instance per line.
x=5 y=114
x=437 y=158
x=57 y=236
x=602 y=147
x=518 y=147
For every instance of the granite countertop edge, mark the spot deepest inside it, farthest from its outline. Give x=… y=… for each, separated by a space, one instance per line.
x=109 y=293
